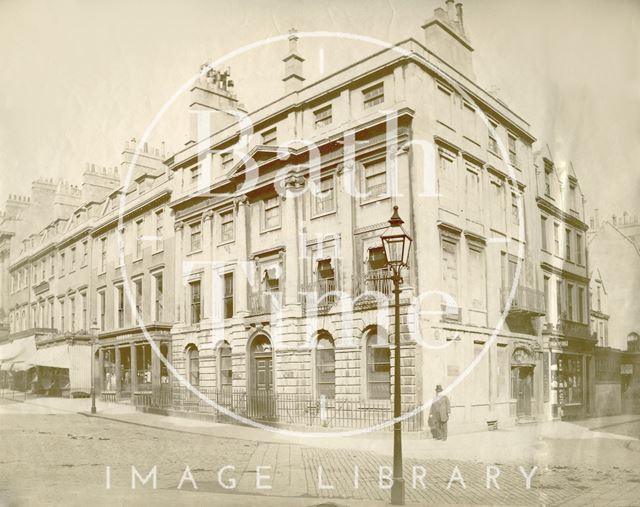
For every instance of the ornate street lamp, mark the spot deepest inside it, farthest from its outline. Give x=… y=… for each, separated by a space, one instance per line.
x=94 y=333
x=397 y=244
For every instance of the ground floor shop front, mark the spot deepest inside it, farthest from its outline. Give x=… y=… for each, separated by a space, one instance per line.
x=571 y=377
x=127 y=364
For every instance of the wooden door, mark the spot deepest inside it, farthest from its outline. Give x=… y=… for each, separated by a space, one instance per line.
x=525 y=390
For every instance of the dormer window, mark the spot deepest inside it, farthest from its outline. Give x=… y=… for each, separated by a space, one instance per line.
x=547 y=179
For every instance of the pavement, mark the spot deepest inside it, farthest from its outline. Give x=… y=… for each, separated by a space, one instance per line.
x=591 y=462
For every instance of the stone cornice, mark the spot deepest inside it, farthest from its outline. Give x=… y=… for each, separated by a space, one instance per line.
x=565 y=217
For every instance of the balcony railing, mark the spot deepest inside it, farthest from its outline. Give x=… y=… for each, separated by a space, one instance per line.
x=525 y=301
x=265 y=302
x=319 y=294
x=570 y=329
x=377 y=280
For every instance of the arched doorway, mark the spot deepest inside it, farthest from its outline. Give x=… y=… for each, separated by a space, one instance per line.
x=261 y=391
x=522 y=366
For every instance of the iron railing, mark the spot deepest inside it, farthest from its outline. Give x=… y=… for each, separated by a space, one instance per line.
x=569 y=329
x=265 y=302
x=320 y=294
x=525 y=300
x=376 y=280
x=267 y=406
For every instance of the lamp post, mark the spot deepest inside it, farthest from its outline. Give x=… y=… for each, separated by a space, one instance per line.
x=397 y=244
x=94 y=333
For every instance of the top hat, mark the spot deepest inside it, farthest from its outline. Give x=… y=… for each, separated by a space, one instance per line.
x=438 y=388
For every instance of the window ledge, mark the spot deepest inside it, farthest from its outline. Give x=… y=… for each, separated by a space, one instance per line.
x=228 y=242
x=264 y=231
x=194 y=252
x=158 y=252
x=378 y=198
x=324 y=214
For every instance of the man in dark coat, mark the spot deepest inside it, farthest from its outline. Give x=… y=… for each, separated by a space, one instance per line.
x=439 y=415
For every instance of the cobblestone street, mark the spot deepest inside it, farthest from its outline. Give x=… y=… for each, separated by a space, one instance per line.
x=50 y=457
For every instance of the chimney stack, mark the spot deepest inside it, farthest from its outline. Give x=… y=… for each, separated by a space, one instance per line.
x=293 y=78
x=213 y=93
x=445 y=35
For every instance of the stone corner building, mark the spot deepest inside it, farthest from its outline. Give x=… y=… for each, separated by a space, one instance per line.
x=256 y=266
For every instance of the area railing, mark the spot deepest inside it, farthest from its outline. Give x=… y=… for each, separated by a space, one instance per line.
x=284 y=409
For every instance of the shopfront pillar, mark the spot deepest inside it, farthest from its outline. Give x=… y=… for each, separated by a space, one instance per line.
x=100 y=370
x=134 y=368
x=118 y=371
x=155 y=369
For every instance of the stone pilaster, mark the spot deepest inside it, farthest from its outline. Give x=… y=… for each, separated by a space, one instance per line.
x=179 y=314
x=207 y=255
x=240 y=279
x=346 y=252
x=293 y=186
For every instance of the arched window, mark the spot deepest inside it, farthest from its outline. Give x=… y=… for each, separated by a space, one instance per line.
x=193 y=365
x=378 y=365
x=325 y=366
x=225 y=367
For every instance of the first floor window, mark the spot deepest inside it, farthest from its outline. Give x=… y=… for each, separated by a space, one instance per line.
x=196 y=302
x=62 y=329
x=120 y=301
x=159 y=296
x=228 y=295
x=102 y=308
x=378 y=366
x=138 y=286
x=325 y=366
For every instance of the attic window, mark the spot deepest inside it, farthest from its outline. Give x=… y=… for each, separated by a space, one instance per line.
x=373 y=95
x=269 y=137
x=547 y=180
x=323 y=116
x=226 y=159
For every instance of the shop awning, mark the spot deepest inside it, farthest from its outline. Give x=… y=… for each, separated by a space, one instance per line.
x=15 y=356
x=53 y=357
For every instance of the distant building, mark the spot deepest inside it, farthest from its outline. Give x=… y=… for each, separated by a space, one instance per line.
x=617 y=256
x=568 y=343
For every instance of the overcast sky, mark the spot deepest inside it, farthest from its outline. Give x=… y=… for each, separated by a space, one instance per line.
x=78 y=78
